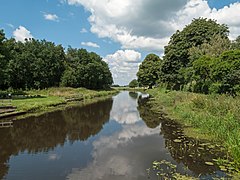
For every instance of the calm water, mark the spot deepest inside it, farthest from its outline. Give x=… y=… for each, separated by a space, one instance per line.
x=111 y=139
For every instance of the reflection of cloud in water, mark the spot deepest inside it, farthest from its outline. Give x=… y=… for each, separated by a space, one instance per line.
x=53 y=157
x=124 y=109
x=122 y=155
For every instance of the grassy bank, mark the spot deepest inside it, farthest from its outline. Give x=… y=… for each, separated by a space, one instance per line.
x=39 y=100
x=217 y=116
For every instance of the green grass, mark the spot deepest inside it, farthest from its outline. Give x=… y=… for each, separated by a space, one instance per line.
x=211 y=116
x=38 y=100
x=33 y=104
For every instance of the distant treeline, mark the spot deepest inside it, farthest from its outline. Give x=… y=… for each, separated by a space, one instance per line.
x=38 y=64
x=200 y=58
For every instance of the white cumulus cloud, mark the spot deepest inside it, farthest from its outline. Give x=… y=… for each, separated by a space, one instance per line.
x=148 y=24
x=123 y=65
x=51 y=17
x=90 y=44
x=21 y=34
x=124 y=110
x=121 y=155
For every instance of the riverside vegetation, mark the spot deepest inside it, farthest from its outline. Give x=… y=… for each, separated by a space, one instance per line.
x=46 y=75
x=198 y=84
x=47 y=99
x=214 y=117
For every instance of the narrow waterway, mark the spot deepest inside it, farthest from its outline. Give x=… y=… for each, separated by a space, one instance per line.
x=113 y=139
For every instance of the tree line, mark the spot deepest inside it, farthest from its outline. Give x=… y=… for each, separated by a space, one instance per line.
x=200 y=58
x=39 y=64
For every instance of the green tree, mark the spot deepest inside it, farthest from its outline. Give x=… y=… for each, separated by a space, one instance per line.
x=214 y=48
x=202 y=74
x=133 y=83
x=236 y=43
x=3 y=60
x=226 y=72
x=217 y=74
x=177 y=51
x=35 y=64
x=148 y=72
x=196 y=74
x=84 y=69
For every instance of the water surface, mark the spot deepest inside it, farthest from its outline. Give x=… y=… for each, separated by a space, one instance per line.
x=112 y=139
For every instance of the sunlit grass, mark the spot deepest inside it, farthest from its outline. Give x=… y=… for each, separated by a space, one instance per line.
x=42 y=99
x=32 y=104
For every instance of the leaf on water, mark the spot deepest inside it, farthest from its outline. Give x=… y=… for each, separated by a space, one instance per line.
x=209 y=163
x=222 y=168
x=177 y=140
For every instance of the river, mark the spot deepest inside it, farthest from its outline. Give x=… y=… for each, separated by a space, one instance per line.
x=117 y=138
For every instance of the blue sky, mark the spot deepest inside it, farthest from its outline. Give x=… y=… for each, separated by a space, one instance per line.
x=65 y=31
x=122 y=32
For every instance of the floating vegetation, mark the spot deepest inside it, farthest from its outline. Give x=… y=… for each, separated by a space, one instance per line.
x=164 y=169
x=200 y=156
x=177 y=140
x=209 y=163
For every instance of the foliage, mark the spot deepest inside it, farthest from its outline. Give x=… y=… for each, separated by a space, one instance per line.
x=84 y=69
x=202 y=74
x=39 y=64
x=3 y=61
x=37 y=100
x=33 y=64
x=226 y=72
x=214 y=48
x=133 y=83
x=214 y=115
x=236 y=43
x=177 y=51
x=148 y=73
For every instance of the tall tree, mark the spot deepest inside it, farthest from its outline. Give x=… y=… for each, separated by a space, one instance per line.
x=133 y=83
x=236 y=43
x=84 y=69
x=35 y=64
x=226 y=72
x=148 y=73
x=177 y=51
x=3 y=60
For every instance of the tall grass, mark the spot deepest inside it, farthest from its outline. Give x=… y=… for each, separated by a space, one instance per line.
x=215 y=115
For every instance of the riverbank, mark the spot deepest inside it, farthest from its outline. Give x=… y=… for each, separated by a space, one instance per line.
x=212 y=117
x=36 y=101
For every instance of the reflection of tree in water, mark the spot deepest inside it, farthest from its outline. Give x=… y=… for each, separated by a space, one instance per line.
x=133 y=95
x=88 y=120
x=43 y=133
x=151 y=119
x=191 y=152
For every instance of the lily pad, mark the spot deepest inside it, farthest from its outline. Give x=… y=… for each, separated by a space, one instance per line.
x=209 y=163
x=223 y=168
x=177 y=140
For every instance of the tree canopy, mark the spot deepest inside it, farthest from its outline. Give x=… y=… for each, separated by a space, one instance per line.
x=38 y=64
x=148 y=73
x=84 y=69
x=133 y=83
x=177 y=51
x=200 y=58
